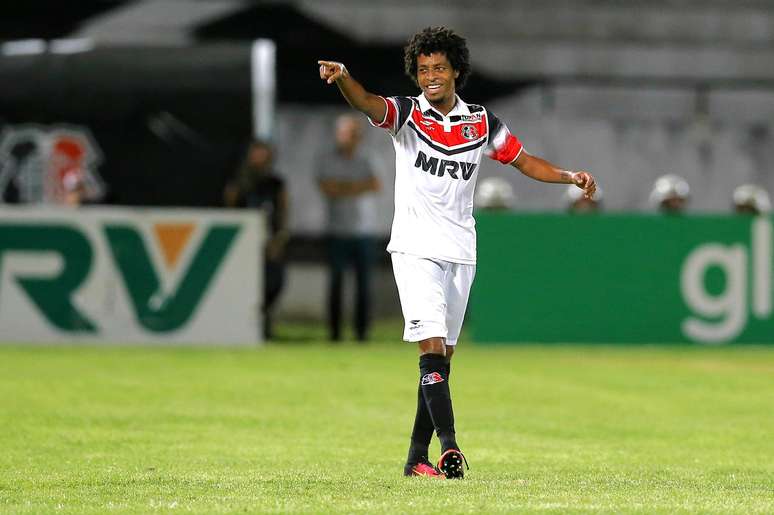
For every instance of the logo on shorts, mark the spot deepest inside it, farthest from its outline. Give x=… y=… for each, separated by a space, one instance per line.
x=414 y=322
x=433 y=378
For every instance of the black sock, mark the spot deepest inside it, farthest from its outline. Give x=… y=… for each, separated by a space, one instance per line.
x=422 y=432
x=423 y=427
x=435 y=389
x=451 y=408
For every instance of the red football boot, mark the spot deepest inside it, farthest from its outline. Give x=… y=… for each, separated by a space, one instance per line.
x=450 y=464
x=423 y=468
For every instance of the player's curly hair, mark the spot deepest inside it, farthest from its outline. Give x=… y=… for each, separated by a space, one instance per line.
x=442 y=40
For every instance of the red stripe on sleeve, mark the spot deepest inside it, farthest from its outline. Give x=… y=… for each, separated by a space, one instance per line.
x=389 y=117
x=509 y=150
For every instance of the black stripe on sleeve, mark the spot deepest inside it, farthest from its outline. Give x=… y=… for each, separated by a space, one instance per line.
x=405 y=105
x=494 y=123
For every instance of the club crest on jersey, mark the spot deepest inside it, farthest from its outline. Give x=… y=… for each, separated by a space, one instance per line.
x=432 y=378
x=469 y=132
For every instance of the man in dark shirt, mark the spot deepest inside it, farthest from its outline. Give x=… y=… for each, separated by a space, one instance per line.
x=257 y=186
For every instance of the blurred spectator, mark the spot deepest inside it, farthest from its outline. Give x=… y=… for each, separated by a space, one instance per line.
x=73 y=190
x=751 y=199
x=70 y=184
x=347 y=181
x=257 y=186
x=51 y=167
x=577 y=202
x=670 y=194
x=495 y=194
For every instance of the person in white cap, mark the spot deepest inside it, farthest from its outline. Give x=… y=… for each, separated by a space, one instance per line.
x=496 y=194
x=751 y=199
x=577 y=202
x=670 y=194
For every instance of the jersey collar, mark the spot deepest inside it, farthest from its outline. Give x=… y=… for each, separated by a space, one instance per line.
x=460 y=107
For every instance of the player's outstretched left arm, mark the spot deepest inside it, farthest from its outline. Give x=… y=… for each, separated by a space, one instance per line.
x=541 y=170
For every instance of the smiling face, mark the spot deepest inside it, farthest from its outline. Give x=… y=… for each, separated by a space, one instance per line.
x=436 y=79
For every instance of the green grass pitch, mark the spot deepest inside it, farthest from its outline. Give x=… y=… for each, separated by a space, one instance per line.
x=316 y=428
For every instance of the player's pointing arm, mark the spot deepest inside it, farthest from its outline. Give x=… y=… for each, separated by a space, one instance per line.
x=371 y=105
x=541 y=170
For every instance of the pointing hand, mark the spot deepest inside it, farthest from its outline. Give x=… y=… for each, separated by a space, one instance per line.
x=331 y=71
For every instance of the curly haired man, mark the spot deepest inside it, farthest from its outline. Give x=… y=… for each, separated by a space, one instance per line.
x=439 y=141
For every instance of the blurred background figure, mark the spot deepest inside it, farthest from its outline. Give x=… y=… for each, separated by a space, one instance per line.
x=577 y=202
x=69 y=186
x=670 y=194
x=348 y=182
x=256 y=185
x=74 y=191
x=56 y=167
x=495 y=194
x=751 y=199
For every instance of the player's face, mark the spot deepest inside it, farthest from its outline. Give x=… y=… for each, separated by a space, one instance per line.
x=436 y=77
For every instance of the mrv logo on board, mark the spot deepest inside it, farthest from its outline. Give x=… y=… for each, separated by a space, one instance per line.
x=129 y=275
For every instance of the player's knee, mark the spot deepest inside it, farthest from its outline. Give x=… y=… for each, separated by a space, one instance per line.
x=449 y=352
x=433 y=346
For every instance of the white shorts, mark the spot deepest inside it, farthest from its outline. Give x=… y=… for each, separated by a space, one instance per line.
x=433 y=296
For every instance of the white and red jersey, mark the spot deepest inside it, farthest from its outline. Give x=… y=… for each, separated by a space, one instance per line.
x=436 y=164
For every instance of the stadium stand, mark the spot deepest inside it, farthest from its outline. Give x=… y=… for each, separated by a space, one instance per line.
x=629 y=90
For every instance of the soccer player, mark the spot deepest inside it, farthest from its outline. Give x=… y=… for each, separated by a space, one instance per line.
x=439 y=140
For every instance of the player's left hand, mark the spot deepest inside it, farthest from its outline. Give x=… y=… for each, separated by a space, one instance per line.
x=586 y=182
